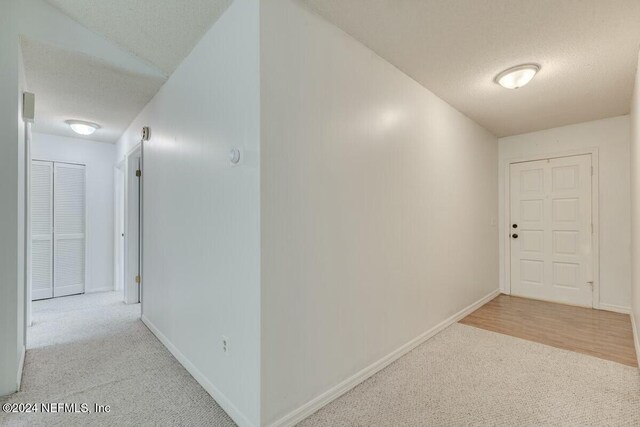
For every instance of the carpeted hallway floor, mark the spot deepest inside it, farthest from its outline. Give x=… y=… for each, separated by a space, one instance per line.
x=94 y=349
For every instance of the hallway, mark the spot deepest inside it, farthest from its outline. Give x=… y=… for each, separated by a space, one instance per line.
x=320 y=213
x=94 y=349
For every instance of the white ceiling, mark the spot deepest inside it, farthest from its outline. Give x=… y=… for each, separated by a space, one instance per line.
x=102 y=61
x=161 y=31
x=73 y=85
x=587 y=49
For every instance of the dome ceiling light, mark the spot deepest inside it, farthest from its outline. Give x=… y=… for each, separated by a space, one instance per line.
x=81 y=127
x=518 y=76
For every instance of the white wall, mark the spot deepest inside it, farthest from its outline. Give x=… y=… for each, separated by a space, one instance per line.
x=611 y=137
x=201 y=272
x=12 y=207
x=635 y=210
x=100 y=159
x=377 y=204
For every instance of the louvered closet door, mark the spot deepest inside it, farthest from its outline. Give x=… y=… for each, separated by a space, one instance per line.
x=69 y=229
x=41 y=230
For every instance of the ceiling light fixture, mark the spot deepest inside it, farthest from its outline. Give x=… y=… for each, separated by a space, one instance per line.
x=518 y=76
x=82 y=128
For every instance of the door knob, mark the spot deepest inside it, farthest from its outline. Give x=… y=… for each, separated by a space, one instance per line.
x=515 y=225
x=515 y=236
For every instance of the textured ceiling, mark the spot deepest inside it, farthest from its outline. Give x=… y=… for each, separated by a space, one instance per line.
x=587 y=49
x=102 y=61
x=72 y=85
x=162 y=32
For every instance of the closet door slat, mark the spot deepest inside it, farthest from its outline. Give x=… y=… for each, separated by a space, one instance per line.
x=41 y=230
x=69 y=230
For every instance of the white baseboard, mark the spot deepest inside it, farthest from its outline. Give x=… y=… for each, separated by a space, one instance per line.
x=615 y=308
x=21 y=366
x=636 y=339
x=219 y=397
x=328 y=396
x=105 y=289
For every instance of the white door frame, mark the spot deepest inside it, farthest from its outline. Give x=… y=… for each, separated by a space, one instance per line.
x=132 y=266
x=27 y=223
x=595 y=189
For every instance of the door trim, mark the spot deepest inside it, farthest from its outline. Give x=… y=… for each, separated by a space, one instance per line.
x=595 y=218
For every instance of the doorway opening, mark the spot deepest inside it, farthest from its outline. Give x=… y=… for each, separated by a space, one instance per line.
x=132 y=240
x=119 y=175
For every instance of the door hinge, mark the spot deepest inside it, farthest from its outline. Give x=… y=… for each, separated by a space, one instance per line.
x=138 y=279
x=138 y=173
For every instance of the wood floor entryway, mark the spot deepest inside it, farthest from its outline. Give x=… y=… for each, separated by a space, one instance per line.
x=598 y=333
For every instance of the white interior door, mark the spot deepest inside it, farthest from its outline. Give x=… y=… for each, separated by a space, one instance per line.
x=69 y=229
x=551 y=230
x=41 y=230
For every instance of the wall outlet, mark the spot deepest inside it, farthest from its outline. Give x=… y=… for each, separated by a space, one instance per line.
x=225 y=344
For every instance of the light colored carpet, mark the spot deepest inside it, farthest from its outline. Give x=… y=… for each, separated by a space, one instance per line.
x=468 y=376
x=94 y=349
